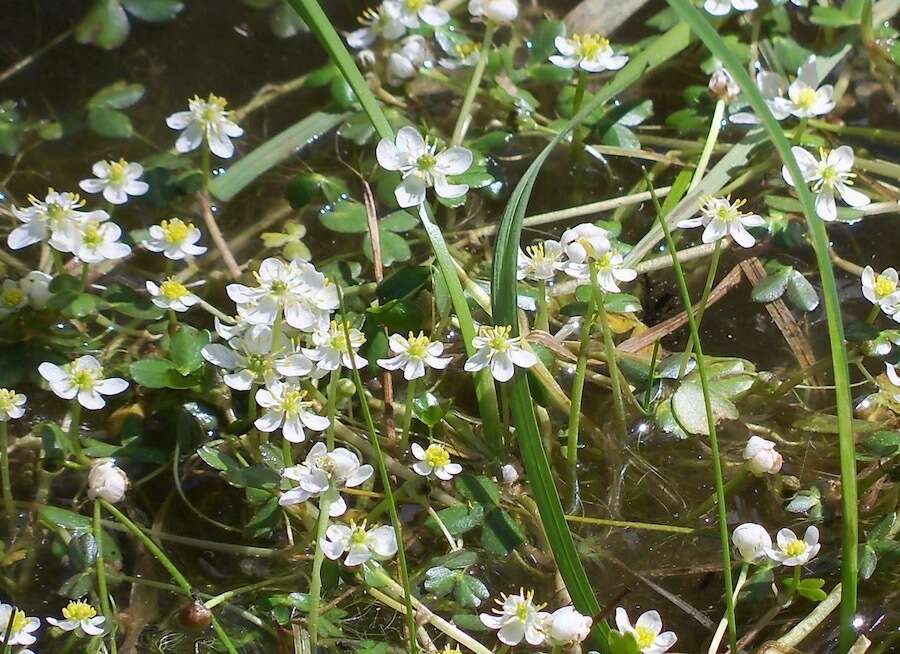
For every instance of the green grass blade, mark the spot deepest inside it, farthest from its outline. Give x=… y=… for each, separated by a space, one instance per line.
x=503 y=287
x=850 y=536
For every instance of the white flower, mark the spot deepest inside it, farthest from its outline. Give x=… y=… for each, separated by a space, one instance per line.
x=82 y=378
x=792 y=551
x=509 y=474
x=116 y=180
x=12 y=297
x=171 y=294
x=722 y=217
x=752 y=541
x=722 y=85
x=805 y=97
x=205 y=119
x=405 y=60
x=761 y=457
x=322 y=471
x=422 y=166
x=518 y=618
x=881 y=289
x=646 y=631
x=331 y=349
x=249 y=359
x=287 y=408
x=54 y=219
x=539 y=262
x=435 y=460
x=460 y=53
x=498 y=11
x=566 y=626
x=585 y=242
x=723 y=7
x=12 y=405
x=384 y=22
x=589 y=52
x=175 y=238
x=832 y=173
x=610 y=270
x=80 y=616
x=361 y=545
x=107 y=481
x=410 y=12
x=500 y=352
x=22 y=626
x=413 y=354
x=36 y=285
x=95 y=242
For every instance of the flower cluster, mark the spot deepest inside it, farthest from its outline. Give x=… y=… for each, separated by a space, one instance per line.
x=755 y=546
x=518 y=618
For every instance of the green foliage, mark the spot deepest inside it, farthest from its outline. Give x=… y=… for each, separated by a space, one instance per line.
x=106 y=23
x=182 y=369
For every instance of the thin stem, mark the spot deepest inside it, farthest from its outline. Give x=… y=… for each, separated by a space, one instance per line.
x=723 y=623
x=462 y=121
x=707 y=288
x=711 y=138
x=648 y=394
x=609 y=347
x=796 y=582
x=331 y=405
x=627 y=524
x=102 y=588
x=5 y=479
x=542 y=319
x=576 y=395
x=578 y=132
x=411 y=390
x=85 y=272
x=75 y=431
x=315 y=584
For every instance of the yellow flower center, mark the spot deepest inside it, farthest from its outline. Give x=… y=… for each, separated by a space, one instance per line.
x=436 y=456
x=92 y=236
x=464 y=50
x=418 y=346
x=213 y=109
x=794 y=548
x=294 y=400
x=588 y=46
x=7 y=399
x=79 y=611
x=536 y=252
x=19 y=621
x=884 y=286
x=176 y=230
x=523 y=610
x=416 y=5
x=12 y=296
x=358 y=535
x=644 y=637
x=82 y=378
x=426 y=162
x=498 y=337
x=117 y=171
x=172 y=289
x=806 y=98
x=326 y=464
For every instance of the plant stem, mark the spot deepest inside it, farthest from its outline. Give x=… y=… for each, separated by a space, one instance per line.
x=723 y=623
x=797 y=570
x=576 y=395
x=707 y=288
x=102 y=588
x=648 y=395
x=542 y=319
x=315 y=584
x=578 y=132
x=411 y=391
x=609 y=348
x=711 y=138
x=75 y=431
x=465 y=111
x=6 y=480
x=331 y=405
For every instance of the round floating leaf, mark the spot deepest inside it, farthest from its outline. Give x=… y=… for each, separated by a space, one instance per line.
x=345 y=217
x=802 y=294
x=689 y=408
x=105 y=25
x=773 y=286
x=110 y=123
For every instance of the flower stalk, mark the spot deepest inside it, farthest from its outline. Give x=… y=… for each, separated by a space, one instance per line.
x=411 y=390
x=315 y=584
x=465 y=111
x=102 y=587
x=704 y=298
x=609 y=348
x=5 y=479
x=576 y=396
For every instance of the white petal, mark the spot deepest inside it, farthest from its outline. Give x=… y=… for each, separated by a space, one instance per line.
x=454 y=161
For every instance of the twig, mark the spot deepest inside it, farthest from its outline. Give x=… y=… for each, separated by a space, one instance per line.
x=30 y=59
x=221 y=244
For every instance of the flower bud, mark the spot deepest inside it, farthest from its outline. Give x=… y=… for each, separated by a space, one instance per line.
x=566 y=625
x=752 y=541
x=107 y=481
x=498 y=11
x=722 y=86
x=761 y=457
x=509 y=473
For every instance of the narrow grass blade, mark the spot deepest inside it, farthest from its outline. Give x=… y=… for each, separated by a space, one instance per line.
x=850 y=536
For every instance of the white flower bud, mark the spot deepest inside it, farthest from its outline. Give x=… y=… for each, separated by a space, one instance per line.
x=509 y=473
x=722 y=86
x=761 y=457
x=566 y=625
x=752 y=541
x=107 y=481
x=498 y=11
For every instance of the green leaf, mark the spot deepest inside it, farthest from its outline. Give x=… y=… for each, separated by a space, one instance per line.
x=124 y=300
x=154 y=11
x=470 y=591
x=500 y=534
x=541 y=44
x=440 y=581
x=429 y=410
x=882 y=444
x=253 y=477
x=185 y=347
x=265 y=519
x=398 y=221
x=110 y=123
x=800 y=293
x=394 y=248
x=459 y=519
x=399 y=316
x=105 y=25
x=285 y=23
x=689 y=408
x=623 y=643
x=217 y=459
x=832 y=17
x=79 y=305
x=476 y=488
x=868 y=559
x=621 y=137
x=152 y=373
x=402 y=283
x=306 y=187
x=118 y=95
x=345 y=217
x=772 y=286
x=823 y=423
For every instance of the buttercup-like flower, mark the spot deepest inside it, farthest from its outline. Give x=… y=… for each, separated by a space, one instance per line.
x=332 y=350
x=517 y=618
x=498 y=11
x=413 y=354
x=171 y=294
x=205 y=119
x=723 y=7
x=96 y=242
x=287 y=408
x=422 y=166
x=82 y=378
x=881 y=289
x=405 y=60
x=22 y=626
x=761 y=456
x=384 y=21
x=81 y=617
x=585 y=242
x=589 y=52
x=610 y=270
x=460 y=52
x=249 y=359
x=36 y=285
x=722 y=217
x=500 y=352
x=55 y=220
x=12 y=297
x=107 y=481
x=360 y=544
x=116 y=180
x=752 y=542
x=410 y=12
x=791 y=551
x=539 y=262
x=175 y=238
x=323 y=470
x=12 y=405
x=566 y=626
x=434 y=460
x=829 y=175
x=805 y=97
x=646 y=631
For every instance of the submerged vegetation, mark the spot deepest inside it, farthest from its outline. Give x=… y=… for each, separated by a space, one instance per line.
x=535 y=328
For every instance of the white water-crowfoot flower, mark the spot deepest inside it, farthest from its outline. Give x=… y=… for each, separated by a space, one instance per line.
x=414 y=354
x=405 y=60
x=881 y=289
x=175 y=238
x=589 y=52
x=805 y=97
x=499 y=352
x=517 y=618
x=384 y=22
x=761 y=456
x=12 y=297
x=82 y=379
x=791 y=551
x=249 y=359
x=116 y=180
x=12 y=405
x=331 y=349
x=566 y=626
x=410 y=12
x=22 y=629
x=205 y=119
x=107 y=481
x=829 y=175
x=434 y=460
x=360 y=544
x=53 y=219
x=322 y=471
x=171 y=294
x=81 y=617
x=539 y=262
x=460 y=53
x=610 y=270
x=585 y=242
x=724 y=7
x=646 y=631
x=497 y=11
x=96 y=242
x=422 y=166
x=287 y=408
x=721 y=217
x=752 y=542
x=36 y=285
